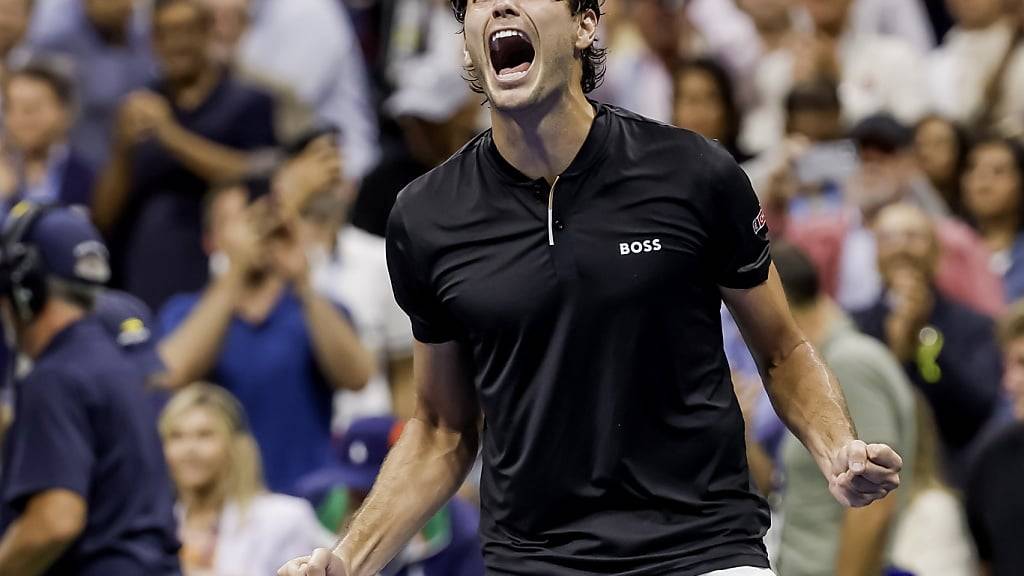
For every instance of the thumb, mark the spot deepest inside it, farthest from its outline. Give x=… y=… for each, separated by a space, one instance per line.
x=857 y=456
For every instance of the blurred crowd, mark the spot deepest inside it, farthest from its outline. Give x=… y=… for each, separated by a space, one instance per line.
x=241 y=157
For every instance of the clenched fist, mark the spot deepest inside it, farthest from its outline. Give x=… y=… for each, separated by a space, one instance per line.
x=862 y=473
x=323 y=562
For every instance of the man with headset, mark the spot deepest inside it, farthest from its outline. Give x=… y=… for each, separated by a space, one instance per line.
x=83 y=484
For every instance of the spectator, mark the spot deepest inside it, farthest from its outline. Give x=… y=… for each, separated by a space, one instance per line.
x=905 y=19
x=84 y=489
x=820 y=537
x=107 y=44
x=931 y=536
x=352 y=271
x=37 y=163
x=874 y=73
x=431 y=105
x=227 y=521
x=993 y=198
x=173 y=142
x=705 y=102
x=977 y=75
x=260 y=331
x=767 y=82
x=940 y=147
x=948 y=350
x=229 y=20
x=653 y=37
x=309 y=45
x=448 y=545
x=843 y=244
x=995 y=494
x=14 y=17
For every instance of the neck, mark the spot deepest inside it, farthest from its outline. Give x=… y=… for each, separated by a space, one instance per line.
x=206 y=501
x=541 y=142
x=816 y=319
x=55 y=316
x=999 y=232
x=260 y=298
x=190 y=92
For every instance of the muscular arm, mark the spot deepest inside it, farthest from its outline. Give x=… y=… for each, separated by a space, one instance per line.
x=422 y=472
x=339 y=353
x=426 y=466
x=802 y=389
x=36 y=540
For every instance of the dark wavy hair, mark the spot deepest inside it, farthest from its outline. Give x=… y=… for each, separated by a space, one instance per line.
x=593 y=57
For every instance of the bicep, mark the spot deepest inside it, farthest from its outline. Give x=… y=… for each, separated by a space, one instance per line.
x=763 y=317
x=446 y=396
x=61 y=514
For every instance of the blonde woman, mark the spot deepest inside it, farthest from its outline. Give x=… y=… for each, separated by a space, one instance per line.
x=228 y=523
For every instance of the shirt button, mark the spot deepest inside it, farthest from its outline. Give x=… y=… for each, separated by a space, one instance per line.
x=559 y=225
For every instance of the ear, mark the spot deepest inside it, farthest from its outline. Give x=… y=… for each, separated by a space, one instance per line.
x=586 y=35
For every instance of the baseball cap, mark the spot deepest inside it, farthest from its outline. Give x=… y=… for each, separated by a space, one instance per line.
x=129 y=321
x=360 y=455
x=69 y=245
x=882 y=132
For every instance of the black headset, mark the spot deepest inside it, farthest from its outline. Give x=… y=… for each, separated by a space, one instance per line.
x=22 y=270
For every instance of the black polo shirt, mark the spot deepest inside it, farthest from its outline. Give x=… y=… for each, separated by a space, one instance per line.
x=613 y=442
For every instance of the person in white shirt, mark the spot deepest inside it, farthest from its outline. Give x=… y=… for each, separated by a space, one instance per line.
x=229 y=525
x=352 y=270
x=983 y=48
x=310 y=46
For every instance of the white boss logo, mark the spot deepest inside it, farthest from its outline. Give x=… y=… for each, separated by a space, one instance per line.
x=640 y=246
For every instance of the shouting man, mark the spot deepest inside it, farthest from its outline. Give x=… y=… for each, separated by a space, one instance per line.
x=564 y=273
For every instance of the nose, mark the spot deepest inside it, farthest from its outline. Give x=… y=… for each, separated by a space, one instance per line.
x=504 y=9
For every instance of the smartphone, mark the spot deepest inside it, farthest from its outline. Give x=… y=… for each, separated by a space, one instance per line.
x=827 y=163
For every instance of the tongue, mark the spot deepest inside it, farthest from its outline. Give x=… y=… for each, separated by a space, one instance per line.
x=520 y=68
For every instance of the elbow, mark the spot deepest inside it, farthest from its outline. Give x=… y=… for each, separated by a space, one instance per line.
x=58 y=528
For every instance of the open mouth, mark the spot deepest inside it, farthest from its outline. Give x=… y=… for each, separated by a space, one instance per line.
x=511 y=54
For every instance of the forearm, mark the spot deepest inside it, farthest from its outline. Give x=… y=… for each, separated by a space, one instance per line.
x=207 y=159
x=27 y=550
x=422 y=472
x=190 y=351
x=112 y=190
x=339 y=352
x=862 y=539
x=808 y=398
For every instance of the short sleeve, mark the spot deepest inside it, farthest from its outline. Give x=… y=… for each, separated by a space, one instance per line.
x=739 y=235
x=431 y=322
x=174 y=313
x=51 y=443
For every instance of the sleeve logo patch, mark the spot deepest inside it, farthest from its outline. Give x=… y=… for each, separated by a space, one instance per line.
x=760 y=225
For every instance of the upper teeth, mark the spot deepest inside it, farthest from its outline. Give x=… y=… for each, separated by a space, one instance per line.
x=506 y=34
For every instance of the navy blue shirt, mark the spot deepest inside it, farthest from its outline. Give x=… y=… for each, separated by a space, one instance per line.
x=966 y=388
x=158 y=249
x=83 y=424
x=271 y=368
